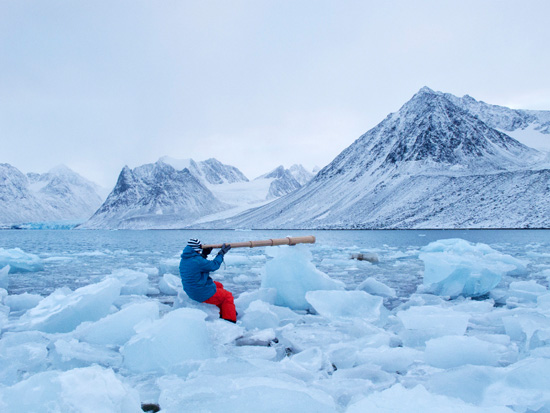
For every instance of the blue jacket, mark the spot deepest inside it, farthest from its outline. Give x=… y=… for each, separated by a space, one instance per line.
x=194 y=272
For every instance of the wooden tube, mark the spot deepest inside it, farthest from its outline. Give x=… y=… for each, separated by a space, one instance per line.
x=310 y=239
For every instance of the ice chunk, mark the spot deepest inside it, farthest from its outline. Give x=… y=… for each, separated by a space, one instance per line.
x=312 y=359
x=423 y=323
x=183 y=301
x=244 y=279
x=170 y=284
x=293 y=274
x=170 y=266
x=253 y=351
x=343 y=355
x=456 y=267
x=221 y=332
x=133 y=282
x=371 y=286
x=465 y=382
x=151 y=271
x=366 y=373
x=441 y=321
x=20 y=261
x=453 y=351
x=90 y=389
x=118 y=328
x=543 y=303
x=235 y=260
x=390 y=359
x=527 y=329
x=159 y=346
x=22 y=353
x=333 y=304
x=64 y=309
x=4 y=310
x=417 y=399
x=524 y=386
x=4 y=280
x=525 y=291
x=267 y=295
x=257 y=338
x=259 y=316
x=71 y=353
x=235 y=391
x=22 y=302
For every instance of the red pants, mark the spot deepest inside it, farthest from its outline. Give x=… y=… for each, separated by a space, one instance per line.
x=224 y=300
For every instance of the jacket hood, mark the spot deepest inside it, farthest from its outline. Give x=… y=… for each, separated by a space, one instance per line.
x=189 y=252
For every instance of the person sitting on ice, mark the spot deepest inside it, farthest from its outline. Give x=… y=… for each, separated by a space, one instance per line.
x=195 y=272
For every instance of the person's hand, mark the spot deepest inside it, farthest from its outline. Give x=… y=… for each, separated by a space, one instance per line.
x=225 y=248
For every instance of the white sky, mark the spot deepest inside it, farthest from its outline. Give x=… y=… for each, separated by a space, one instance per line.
x=100 y=84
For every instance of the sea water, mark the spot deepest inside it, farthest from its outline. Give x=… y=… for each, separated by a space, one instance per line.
x=80 y=257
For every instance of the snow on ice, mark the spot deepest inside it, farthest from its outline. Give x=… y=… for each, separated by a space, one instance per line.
x=303 y=341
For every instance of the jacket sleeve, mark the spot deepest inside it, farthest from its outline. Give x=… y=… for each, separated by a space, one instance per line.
x=208 y=266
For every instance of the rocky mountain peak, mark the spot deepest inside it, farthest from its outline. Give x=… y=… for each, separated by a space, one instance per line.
x=432 y=130
x=276 y=173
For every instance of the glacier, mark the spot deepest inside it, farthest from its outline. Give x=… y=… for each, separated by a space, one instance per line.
x=119 y=341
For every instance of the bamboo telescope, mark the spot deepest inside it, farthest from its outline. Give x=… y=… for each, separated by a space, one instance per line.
x=310 y=239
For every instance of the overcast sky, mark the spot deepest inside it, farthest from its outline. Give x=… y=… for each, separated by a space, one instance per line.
x=97 y=85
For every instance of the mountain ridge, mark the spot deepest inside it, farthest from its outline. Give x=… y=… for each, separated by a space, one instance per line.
x=154 y=195
x=172 y=193
x=372 y=183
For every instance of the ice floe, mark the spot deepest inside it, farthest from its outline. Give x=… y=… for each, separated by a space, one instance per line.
x=20 y=261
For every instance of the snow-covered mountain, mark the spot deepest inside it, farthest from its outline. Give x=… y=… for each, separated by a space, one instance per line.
x=174 y=193
x=243 y=196
x=301 y=174
x=282 y=182
x=155 y=196
x=432 y=164
x=530 y=127
x=210 y=171
x=501 y=117
x=58 y=195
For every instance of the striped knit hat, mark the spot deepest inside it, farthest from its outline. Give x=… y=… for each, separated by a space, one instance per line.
x=195 y=244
